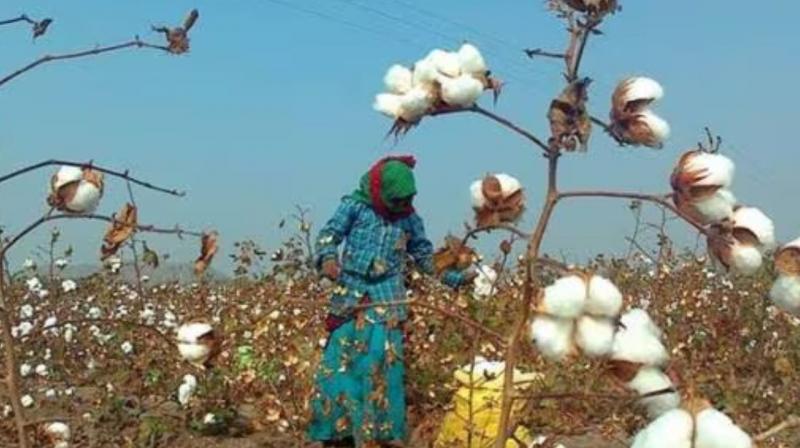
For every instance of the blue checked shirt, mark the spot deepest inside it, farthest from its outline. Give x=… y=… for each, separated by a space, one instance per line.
x=374 y=258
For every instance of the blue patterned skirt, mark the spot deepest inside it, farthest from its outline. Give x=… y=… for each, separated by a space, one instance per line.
x=359 y=390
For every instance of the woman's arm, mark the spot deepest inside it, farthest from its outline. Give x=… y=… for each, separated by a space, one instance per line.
x=421 y=250
x=334 y=232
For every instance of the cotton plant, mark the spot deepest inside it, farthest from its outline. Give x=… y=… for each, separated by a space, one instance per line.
x=497 y=199
x=632 y=119
x=440 y=81
x=701 y=183
x=785 y=292
x=696 y=425
x=575 y=314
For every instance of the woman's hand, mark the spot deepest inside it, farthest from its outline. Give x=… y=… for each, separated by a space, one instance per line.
x=330 y=269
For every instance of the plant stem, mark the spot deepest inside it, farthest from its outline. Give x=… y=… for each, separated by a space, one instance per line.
x=12 y=371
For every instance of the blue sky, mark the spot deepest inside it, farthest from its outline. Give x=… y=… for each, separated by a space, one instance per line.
x=272 y=108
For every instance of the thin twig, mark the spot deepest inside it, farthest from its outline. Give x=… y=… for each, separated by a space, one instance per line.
x=135 y=43
x=792 y=421
x=488 y=229
x=609 y=130
x=534 y=52
x=22 y=18
x=503 y=121
x=122 y=175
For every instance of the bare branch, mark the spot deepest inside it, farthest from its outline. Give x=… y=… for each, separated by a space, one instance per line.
x=609 y=130
x=503 y=121
x=122 y=175
x=487 y=229
x=135 y=43
x=22 y=18
x=534 y=52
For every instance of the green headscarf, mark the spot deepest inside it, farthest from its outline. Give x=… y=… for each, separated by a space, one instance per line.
x=389 y=180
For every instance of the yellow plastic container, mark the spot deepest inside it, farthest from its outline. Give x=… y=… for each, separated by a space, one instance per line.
x=486 y=386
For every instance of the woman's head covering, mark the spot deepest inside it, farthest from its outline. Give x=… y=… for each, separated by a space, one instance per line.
x=389 y=186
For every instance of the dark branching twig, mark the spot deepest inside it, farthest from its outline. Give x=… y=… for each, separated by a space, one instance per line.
x=38 y=28
x=534 y=52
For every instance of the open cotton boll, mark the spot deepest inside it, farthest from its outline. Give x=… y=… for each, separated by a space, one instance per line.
x=471 y=60
x=424 y=74
x=398 y=79
x=190 y=346
x=717 y=207
x=713 y=169
x=785 y=293
x=66 y=175
x=446 y=63
x=604 y=298
x=462 y=91
x=638 y=318
x=565 y=298
x=484 y=282
x=87 y=197
x=649 y=380
x=415 y=104
x=476 y=193
x=388 y=104
x=639 y=342
x=508 y=184
x=658 y=126
x=745 y=260
x=757 y=222
x=553 y=337
x=671 y=430
x=641 y=88
x=716 y=430
x=595 y=336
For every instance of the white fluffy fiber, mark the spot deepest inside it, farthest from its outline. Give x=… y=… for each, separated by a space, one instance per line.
x=388 y=104
x=745 y=260
x=717 y=169
x=595 y=336
x=86 y=199
x=186 y=389
x=67 y=174
x=671 y=430
x=476 y=193
x=785 y=293
x=508 y=184
x=483 y=285
x=192 y=332
x=446 y=62
x=757 y=222
x=462 y=91
x=717 y=207
x=565 y=298
x=639 y=341
x=659 y=127
x=471 y=60
x=604 y=298
x=414 y=104
x=188 y=345
x=425 y=73
x=398 y=79
x=553 y=337
x=716 y=430
x=642 y=88
x=652 y=379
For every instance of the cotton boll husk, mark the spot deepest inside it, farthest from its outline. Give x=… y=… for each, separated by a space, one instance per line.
x=553 y=337
x=446 y=63
x=388 y=104
x=745 y=260
x=595 y=336
x=65 y=175
x=757 y=222
x=659 y=127
x=671 y=430
x=604 y=298
x=716 y=430
x=415 y=104
x=398 y=79
x=716 y=207
x=508 y=184
x=785 y=293
x=638 y=318
x=649 y=380
x=87 y=197
x=424 y=74
x=565 y=298
x=476 y=192
x=717 y=169
x=642 y=88
x=462 y=91
x=471 y=60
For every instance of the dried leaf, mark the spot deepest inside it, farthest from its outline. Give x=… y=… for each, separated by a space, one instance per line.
x=787 y=260
x=123 y=225
x=208 y=248
x=570 y=123
x=150 y=257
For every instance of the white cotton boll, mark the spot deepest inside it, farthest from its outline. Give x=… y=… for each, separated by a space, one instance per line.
x=26 y=401
x=388 y=104
x=671 y=430
x=186 y=389
x=59 y=431
x=638 y=318
x=61 y=263
x=649 y=380
x=785 y=293
x=189 y=346
x=26 y=311
x=659 y=127
x=398 y=79
x=717 y=207
x=95 y=313
x=424 y=74
x=565 y=298
x=67 y=174
x=462 y=91
x=508 y=184
x=476 y=192
x=69 y=285
x=604 y=298
x=642 y=88
x=50 y=394
x=716 y=169
x=716 y=430
x=29 y=264
x=42 y=370
x=190 y=380
x=25 y=370
x=595 y=336
x=757 y=222
x=446 y=62
x=127 y=348
x=484 y=282
x=471 y=60
x=415 y=104
x=639 y=341
x=33 y=284
x=745 y=260
x=553 y=337
x=87 y=197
